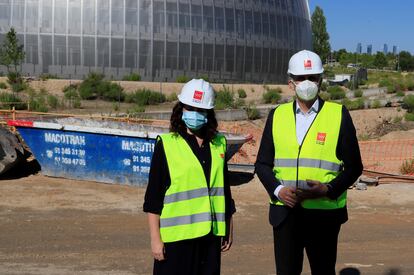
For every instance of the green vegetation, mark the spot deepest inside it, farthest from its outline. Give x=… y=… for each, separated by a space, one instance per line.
x=94 y=86
x=353 y=104
x=182 y=79
x=52 y=101
x=145 y=97
x=358 y=93
x=224 y=99
x=375 y=104
x=320 y=36
x=407 y=168
x=272 y=96
x=132 y=77
x=252 y=112
x=242 y=93
x=8 y=100
x=3 y=85
x=72 y=94
x=336 y=92
x=172 y=97
x=409 y=103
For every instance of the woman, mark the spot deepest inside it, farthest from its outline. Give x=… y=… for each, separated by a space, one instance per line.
x=188 y=198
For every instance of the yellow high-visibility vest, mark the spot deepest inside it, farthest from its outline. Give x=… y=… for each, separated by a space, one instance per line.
x=191 y=208
x=315 y=159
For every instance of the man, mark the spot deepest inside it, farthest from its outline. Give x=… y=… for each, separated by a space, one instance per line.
x=308 y=157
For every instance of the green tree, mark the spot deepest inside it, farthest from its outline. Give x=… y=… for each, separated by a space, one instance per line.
x=406 y=61
x=11 y=52
x=380 y=61
x=320 y=37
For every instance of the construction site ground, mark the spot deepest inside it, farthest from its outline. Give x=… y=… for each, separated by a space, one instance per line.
x=61 y=226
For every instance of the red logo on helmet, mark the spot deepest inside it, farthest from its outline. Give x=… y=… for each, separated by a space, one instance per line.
x=198 y=96
x=320 y=138
x=308 y=64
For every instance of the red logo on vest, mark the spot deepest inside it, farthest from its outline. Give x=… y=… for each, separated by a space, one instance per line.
x=320 y=138
x=222 y=156
x=308 y=64
x=198 y=96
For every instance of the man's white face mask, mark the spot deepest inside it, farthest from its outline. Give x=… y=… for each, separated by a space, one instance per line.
x=306 y=90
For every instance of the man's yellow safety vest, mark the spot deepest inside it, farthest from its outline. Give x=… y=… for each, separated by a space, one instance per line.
x=191 y=208
x=314 y=159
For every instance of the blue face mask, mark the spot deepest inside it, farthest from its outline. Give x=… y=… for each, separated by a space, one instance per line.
x=194 y=120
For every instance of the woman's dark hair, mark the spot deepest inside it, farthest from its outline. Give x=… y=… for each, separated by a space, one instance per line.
x=178 y=126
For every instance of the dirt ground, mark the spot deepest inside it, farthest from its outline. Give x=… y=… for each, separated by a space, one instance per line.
x=60 y=226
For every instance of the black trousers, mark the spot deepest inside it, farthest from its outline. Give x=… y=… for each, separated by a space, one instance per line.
x=299 y=232
x=200 y=256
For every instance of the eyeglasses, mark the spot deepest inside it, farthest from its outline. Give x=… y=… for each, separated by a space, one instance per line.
x=311 y=77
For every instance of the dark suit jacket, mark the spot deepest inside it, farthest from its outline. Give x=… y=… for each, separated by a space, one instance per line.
x=347 y=150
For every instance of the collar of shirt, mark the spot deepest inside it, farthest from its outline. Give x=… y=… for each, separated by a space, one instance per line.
x=304 y=120
x=313 y=109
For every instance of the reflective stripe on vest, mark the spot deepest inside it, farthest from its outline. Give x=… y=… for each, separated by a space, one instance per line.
x=190 y=208
x=315 y=159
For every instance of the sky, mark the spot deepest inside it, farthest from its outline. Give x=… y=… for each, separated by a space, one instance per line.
x=375 y=22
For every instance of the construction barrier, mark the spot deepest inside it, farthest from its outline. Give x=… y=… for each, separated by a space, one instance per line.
x=387 y=155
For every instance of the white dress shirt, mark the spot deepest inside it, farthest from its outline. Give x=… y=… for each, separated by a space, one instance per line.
x=303 y=122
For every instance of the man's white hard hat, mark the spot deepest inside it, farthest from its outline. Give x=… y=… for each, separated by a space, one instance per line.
x=197 y=93
x=305 y=63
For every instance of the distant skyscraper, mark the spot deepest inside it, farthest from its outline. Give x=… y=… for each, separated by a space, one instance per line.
x=385 y=48
x=369 y=49
x=359 y=48
x=394 y=50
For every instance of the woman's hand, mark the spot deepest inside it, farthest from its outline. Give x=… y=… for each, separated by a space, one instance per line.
x=227 y=240
x=157 y=245
x=157 y=248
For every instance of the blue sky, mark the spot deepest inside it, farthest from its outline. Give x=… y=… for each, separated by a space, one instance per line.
x=373 y=22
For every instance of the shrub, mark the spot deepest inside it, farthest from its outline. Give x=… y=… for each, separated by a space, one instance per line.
x=241 y=93
x=407 y=168
x=400 y=93
x=136 y=109
x=375 y=104
x=409 y=103
x=172 y=97
x=354 y=104
x=182 y=79
x=272 y=95
x=224 y=99
x=336 y=92
x=410 y=85
x=385 y=83
x=111 y=91
x=146 y=97
x=358 y=93
x=409 y=116
x=8 y=100
x=252 y=112
x=132 y=77
x=239 y=103
x=52 y=101
x=76 y=103
x=91 y=86
x=44 y=77
x=324 y=86
x=204 y=77
x=391 y=89
x=37 y=103
x=325 y=96
x=3 y=85
x=16 y=82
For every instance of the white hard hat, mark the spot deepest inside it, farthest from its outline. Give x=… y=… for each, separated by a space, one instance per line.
x=197 y=93
x=304 y=63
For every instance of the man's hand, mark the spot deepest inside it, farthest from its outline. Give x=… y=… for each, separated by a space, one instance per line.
x=316 y=190
x=288 y=196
